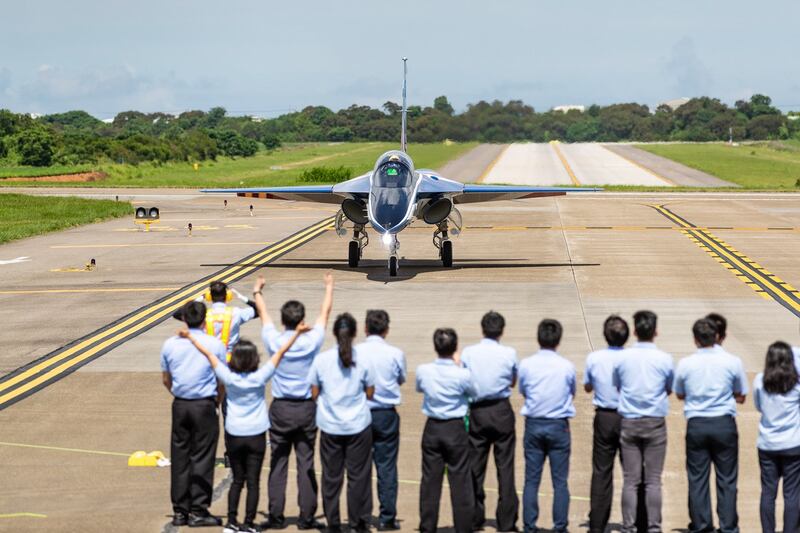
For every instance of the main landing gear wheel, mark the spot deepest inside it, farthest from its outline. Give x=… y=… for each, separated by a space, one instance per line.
x=393 y=266
x=353 y=254
x=447 y=253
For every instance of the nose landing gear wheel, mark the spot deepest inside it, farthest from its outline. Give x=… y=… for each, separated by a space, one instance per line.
x=447 y=253
x=393 y=266
x=353 y=254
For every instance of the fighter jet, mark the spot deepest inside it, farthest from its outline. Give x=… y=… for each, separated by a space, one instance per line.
x=395 y=194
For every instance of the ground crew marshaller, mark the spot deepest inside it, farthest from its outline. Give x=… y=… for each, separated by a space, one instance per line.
x=293 y=412
x=493 y=367
x=389 y=370
x=195 y=426
x=222 y=320
x=711 y=382
x=447 y=387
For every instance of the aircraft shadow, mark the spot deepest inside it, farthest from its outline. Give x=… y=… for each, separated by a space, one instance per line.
x=376 y=270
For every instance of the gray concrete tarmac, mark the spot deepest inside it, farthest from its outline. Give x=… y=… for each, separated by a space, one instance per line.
x=576 y=258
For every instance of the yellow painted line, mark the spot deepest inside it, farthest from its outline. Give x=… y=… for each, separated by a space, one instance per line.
x=564 y=162
x=23 y=515
x=60 y=449
x=149 y=245
x=639 y=165
x=146 y=317
x=488 y=169
x=68 y=291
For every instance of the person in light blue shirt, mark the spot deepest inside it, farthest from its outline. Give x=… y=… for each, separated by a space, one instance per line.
x=643 y=376
x=447 y=387
x=547 y=382
x=247 y=421
x=195 y=425
x=711 y=382
x=341 y=383
x=776 y=394
x=389 y=369
x=598 y=378
x=493 y=367
x=292 y=412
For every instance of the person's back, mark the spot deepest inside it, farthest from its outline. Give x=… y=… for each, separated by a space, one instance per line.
x=644 y=376
x=447 y=389
x=493 y=367
x=290 y=378
x=192 y=376
x=341 y=395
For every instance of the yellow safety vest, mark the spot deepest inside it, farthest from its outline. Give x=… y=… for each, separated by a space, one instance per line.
x=224 y=318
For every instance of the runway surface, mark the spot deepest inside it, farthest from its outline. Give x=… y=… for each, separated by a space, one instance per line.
x=591 y=164
x=578 y=258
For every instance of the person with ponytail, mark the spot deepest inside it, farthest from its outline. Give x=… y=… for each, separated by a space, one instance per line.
x=776 y=393
x=341 y=386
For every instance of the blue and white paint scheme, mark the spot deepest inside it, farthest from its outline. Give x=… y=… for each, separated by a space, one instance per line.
x=395 y=194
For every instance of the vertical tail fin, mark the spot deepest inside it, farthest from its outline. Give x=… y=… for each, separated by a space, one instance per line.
x=403 y=138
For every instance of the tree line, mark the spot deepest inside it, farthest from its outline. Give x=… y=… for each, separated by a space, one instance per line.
x=76 y=137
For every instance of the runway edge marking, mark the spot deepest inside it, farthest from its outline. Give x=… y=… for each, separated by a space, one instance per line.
x=40 y=373
x=762 y=281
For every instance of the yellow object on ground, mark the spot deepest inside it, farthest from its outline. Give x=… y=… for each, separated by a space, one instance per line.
x=142 y=458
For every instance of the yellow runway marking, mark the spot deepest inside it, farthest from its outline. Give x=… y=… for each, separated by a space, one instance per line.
x=61 y=449
x=23 y=515
x=149 y=245
x=83 y=290
x=488 y=169
x=28 y=380
x=564 y=162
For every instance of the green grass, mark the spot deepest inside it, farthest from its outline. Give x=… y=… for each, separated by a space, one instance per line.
x=55 y=170
x=280 y=167
x=764 y=166
x=25 y=216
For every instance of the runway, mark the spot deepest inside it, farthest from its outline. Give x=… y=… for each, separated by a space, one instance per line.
x=591 y=164
x=577 y=258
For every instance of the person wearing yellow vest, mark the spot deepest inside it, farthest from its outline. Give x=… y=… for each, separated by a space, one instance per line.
x=222 y=320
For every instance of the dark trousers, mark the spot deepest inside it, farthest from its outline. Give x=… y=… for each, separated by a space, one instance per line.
x=445 y=443
x=385 y=448
x=195 y=430
x=712 y=440
x=246 y=455
x=294 y=426
x=643 y=442
x=491 y=425
x=774 y=466
x=605 y=448
x=546 y=439
x=351 y=453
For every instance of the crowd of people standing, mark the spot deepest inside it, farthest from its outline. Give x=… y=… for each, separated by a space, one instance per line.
x=350 y=394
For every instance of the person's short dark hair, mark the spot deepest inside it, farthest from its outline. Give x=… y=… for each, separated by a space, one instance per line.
x=244 y=357
x=644 y=323
x=292 y=313
x=445 y=342
x=705 y=332
x=493 y=324
x=218 y=290
x=721 y=323
x=549 y=334
x=194 y=314
x=377 y=322
x=780 y=374
x=616 y=331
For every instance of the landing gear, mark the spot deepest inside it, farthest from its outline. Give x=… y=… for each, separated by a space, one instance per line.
x=442 y=241
x=356 y=246
x=393 y=266
x=394 y=261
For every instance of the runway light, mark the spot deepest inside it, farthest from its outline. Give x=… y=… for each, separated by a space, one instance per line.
x=387 y=239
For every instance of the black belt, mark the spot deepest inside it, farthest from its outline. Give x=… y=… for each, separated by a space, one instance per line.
x=605 y=410
x=446 y=420
x=487 y=403
x=383 y=409
x=209 y=398
x=294 y=400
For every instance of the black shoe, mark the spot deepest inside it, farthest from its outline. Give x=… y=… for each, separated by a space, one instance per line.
x=231 y=527
x=274 y=522
x=204 y=521
x=390 y=525
x=180 y=519
x=313 y=523
x=250 y=528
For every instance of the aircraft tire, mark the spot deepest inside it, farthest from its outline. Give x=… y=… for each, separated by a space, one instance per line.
x=353 y=253
x=447 y=253
x=393 y=266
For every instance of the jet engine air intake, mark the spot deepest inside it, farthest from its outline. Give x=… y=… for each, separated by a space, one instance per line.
x=437 y=210
x=355 y=211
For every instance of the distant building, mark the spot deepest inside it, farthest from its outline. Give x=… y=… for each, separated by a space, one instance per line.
x=568 y=108
x=675 y=103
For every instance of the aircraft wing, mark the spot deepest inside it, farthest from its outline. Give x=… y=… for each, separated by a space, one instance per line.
x=461 y=193
x=327 y=194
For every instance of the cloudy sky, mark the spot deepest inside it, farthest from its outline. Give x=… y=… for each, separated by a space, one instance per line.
x=266 y=57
